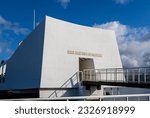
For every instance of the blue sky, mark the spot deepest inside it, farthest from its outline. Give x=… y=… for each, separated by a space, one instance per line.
x=128 y=18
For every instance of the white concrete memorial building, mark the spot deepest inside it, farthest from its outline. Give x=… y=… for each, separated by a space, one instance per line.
x=50 y=61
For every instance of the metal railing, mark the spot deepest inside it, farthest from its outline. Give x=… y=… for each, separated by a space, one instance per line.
x=123 y=75
x=132 y=97
x=128 y=75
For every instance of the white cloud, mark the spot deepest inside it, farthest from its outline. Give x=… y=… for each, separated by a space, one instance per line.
x=9 y=51
x=8 y=31
x=134 y=43
x=122 y=1
x=3 y=21
x=5 y=48
x=14 y=27
x=64 y=3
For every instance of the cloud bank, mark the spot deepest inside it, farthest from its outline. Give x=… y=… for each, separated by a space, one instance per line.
x=9 y=26
x=134 y=43
x=64 y=3
x=8 y=31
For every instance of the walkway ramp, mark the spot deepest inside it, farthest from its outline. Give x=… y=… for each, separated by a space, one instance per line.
x=127 y=77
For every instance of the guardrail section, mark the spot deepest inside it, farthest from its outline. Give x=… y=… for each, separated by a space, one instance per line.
x=127 y=75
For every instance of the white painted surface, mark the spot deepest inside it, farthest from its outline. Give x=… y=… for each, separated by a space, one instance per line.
x=24 y=67
x=2 y=69
x=60 y=36
x=42 y=60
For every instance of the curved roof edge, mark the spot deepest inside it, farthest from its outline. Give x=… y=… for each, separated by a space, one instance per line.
x=55 y=19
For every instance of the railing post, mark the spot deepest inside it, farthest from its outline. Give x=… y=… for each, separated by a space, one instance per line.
x=100 y=75
x=139 y=75
x=127 y=98
x=79 y=78
x=127 y=76
x=90 y=75
x=138 y=98
x=95 y=75
x=84 y=76
x=115 y=75
x=133 y=76
x=99 y=99
x=145 y=75
x=123 y=75
x=118 y=92
x=106 y=75
x=112 y=91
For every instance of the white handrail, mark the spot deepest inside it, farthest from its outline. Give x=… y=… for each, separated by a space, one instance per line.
x=101 y=98
x=135 y=75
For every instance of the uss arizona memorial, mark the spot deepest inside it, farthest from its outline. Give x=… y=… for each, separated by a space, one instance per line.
x=55 y=59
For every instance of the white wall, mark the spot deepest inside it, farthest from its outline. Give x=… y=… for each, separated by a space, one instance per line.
x=60 y=36
x=42 y=61
x=24 y=67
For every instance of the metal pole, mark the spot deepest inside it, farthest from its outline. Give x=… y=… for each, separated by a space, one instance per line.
x=139 y=75
x=106 y=75
x=91 y=75
x=127 y=98
x=127 y=76
x=79 y=79
x=138 y=98
x=100 y=75
x=84 y=75
x=122 y=74
x=112 y=91
x=145 y=75
x=77 y=76
x=133 y=75
x=118 y=91
x=115 y=75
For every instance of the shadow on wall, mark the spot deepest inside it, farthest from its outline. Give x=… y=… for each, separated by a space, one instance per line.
x=69 y=87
